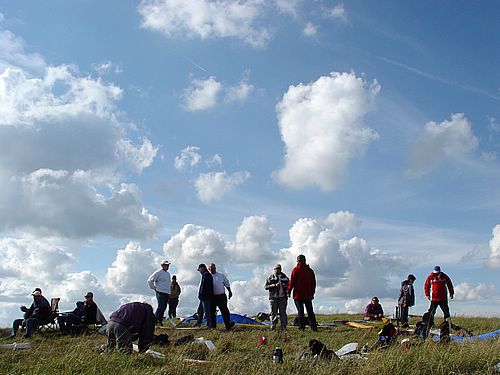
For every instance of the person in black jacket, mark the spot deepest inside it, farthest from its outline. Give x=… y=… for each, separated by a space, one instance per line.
x=35 y=316
x=131 y=321
x=406 y=299
x=206 y=292
x=84 y=315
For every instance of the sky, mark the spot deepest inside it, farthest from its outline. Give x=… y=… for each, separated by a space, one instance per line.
x=364 y=135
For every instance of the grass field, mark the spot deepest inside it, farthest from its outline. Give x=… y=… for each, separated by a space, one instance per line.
x=238 y=353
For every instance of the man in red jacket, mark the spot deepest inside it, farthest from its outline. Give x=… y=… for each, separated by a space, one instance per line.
x=436 y=288
x=303 y=284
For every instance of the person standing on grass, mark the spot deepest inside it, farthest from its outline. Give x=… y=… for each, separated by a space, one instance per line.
x=277 y=284
x=436 y=289
x=406 y=299
x=206 y=294
x=221 y=283
x=160 y=282
x=173 y=299
x=132 y=320
x=303 y=284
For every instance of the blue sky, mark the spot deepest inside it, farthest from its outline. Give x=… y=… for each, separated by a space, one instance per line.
x=364 y=135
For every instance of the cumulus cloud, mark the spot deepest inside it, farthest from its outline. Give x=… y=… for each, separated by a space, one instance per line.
x=343 y=222
x=249 y=295
x=451 y=140
x=214 y=185
x=466 y=292
x=339 y=12
x=107 y=67
x=253 y=241
x=65 y=153
x=355 y=306
x=130 y=270
x=239 y=93
x=310 y=29
x=213 y=161
x=322 y=129
x=13 y=53
x=202 y=94
x=188 y=158
x=494 y=258
x=206 y=19
x=289 y=7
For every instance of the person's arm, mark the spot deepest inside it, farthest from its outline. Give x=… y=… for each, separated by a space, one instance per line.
x=291 y=284
x=152 y=279
x=313 y=282
x=146 y=332
x=368 y=313
x=228 y=286
x=449 y=284
x=270 y=284
x=427 y=287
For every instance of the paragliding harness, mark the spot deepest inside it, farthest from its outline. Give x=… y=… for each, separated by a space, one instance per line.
x=387 y=335
x=423 y=327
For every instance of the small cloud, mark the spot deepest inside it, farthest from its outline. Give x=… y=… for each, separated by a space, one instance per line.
x=239 y=93
x=215 y=160
x=214 y=185
x=107 y=67
x=288 y=7
x=494 y=258
x=310 y=29
x=202 y=94
x=466 y=292
x=339 y=12
x=489 y=156
x=189 y=157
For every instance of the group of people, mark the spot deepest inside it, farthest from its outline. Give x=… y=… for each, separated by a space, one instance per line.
x=137 y=319
x=437 y=287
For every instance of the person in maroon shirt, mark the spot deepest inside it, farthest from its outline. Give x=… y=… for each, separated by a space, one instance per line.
x=303 y=284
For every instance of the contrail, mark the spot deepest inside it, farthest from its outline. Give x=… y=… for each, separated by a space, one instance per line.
x=193 y=63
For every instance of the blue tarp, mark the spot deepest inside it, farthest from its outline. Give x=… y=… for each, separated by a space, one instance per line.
x=237 y=318
x=481 y=337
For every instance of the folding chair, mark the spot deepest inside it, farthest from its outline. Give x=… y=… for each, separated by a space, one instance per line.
x=54 y=313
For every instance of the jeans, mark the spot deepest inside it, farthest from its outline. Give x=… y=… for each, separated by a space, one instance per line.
x=299 y=304
x=69 y=322
x=278 y=307
x=220 y=301
x=206 y=304
x=119 y=337
x=31 y=325
x=444 y=307
x=162 y=299
x=172 y=307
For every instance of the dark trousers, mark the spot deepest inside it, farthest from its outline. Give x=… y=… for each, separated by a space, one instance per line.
x=172 y=307
x=162 y=299
x=31 y=325
x=119 y=337
x=299 y=304
x=205 y=308
x=443 y=305
x=403 y=314
x=220 y=301
x=69 y=322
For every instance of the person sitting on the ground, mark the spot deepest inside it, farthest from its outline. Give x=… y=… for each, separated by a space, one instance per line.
x=84 y=315
x=132 y=320
x=35 y=316
x=373 y=310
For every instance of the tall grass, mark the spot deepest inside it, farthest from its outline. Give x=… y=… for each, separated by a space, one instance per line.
x=238 y=353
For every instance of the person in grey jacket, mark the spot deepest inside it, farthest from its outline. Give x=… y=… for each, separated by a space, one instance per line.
x=277 y=284
x=406 y=299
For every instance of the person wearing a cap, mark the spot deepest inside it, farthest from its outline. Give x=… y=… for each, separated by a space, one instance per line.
x=221 y=283
x=277 y=285
x=173 y=299
x=160 y=282
x=303 y=285
x=436 y=289
x=206 y=293
x=374 y=311
x=35 y=316
x=406 y=299
x=82 y=316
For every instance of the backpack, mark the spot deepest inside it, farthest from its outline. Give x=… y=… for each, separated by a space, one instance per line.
x=423 y=327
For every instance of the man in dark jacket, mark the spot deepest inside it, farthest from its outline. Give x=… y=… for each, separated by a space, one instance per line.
x=436 y=289
x=303 y=284
x=35 y=316
x=406 y=299
x=277 y=284
x=206 y=292
x=84 y=315
x=132 y=320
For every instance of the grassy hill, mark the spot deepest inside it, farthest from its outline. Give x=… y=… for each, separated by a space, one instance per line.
x=238 y=353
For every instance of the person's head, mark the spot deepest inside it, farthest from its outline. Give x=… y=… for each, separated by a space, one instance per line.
x=437 y=269
x=411 y=278
x=37 y=290
x=277 y=269
x=89 y=297
x=374 y=300
x=165 y=264
x=212 y=268
x=202 y=268
x=301 y=258
x=37 y=295
x=174 y=278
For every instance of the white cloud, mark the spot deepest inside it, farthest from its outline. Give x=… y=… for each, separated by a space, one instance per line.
x=239 y=93
x=215 y=160
x=289 y=7
x=206 y=19
x=129 y=272
x=214 y=185
x=253 y=241
x=451 y=139
x=310 y=29
x=355 y=306
x=137 y=157
x=339 y=12
x=188 y=158
x=465 y=292
x=249 y=296
x=321 y=126
x=494 y=258
x=202 y=94
x=106 y=67
x=13 y=53
x=343 y=222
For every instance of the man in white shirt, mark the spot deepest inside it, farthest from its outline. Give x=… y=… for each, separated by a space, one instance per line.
x=160 y=282
x=220 y=299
